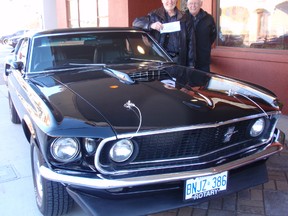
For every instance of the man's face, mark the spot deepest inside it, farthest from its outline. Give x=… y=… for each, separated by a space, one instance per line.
x=169 y=4
x=194 y=6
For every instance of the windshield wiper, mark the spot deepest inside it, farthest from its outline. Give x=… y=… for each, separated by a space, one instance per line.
x=151 y=60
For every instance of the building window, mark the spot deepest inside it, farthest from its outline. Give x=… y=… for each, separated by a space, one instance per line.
x=87 y=13
x=253 y=24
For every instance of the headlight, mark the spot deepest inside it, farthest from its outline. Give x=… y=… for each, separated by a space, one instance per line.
x=121 y=150
x=65 y=149
x=90 y=145
x=257 y=128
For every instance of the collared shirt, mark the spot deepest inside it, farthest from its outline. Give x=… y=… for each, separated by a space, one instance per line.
x=172 y=40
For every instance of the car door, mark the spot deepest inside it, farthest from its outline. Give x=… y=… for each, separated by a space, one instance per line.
x=16 y=81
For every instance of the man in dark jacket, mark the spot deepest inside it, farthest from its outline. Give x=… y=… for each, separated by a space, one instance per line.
x=179 y=43
x=205 y=32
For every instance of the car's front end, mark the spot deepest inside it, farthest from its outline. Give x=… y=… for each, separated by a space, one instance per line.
x=164 y=138
x=128 y=175
x=112 y=120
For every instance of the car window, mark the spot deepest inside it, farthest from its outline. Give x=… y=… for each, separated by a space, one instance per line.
x=62 y=51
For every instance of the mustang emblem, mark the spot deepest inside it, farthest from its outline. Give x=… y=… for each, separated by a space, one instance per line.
x=228 y=135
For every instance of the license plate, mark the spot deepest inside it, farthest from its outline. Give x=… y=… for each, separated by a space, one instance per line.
x=201 y=187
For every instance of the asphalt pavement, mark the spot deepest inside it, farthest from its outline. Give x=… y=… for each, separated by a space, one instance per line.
x=17 y=194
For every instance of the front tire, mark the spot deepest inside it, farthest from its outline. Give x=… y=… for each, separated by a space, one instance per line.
x=51 y=197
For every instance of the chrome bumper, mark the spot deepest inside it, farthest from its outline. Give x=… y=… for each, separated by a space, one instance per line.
x=99 y=182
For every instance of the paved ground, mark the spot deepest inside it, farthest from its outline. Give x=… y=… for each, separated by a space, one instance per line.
x=17 y=197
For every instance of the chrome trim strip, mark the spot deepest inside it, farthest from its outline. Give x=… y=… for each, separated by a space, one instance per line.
x=99 y=166
x=86 y=31
x=194 y=127
x=159 y=167
x=238 y=86
x=99 y=182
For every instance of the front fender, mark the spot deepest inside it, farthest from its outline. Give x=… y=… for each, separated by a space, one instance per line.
x=28 y=128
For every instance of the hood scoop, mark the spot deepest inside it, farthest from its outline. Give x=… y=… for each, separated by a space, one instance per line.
x=121 y=76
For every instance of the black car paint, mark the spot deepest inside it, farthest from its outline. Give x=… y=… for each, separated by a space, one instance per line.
x=57 y=103
x=106 y=96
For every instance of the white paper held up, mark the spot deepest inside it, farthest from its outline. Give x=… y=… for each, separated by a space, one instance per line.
x=171 y=27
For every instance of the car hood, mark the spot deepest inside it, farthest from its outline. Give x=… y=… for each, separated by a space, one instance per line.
x=149 y=96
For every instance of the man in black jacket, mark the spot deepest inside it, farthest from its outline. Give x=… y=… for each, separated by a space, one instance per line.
x=205 y=32
x=179 y=43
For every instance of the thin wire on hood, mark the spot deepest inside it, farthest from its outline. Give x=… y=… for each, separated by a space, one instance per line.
x=130 y=106
x=234 y=93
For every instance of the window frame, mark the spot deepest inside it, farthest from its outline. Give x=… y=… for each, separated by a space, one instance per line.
x=78 y=12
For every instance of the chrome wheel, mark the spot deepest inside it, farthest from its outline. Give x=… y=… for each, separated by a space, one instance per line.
x=37 y=177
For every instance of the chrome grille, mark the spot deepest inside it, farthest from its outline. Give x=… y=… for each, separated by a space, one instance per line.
x=148 y=75
x=189 y=149
x=186 y=143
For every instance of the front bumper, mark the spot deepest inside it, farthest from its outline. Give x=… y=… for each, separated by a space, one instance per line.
x=146 y=202
x=99 y=182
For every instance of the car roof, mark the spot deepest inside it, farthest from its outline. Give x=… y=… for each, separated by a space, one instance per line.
x=79 y=30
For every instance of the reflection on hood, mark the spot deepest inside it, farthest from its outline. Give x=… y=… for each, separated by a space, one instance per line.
x=188 y=77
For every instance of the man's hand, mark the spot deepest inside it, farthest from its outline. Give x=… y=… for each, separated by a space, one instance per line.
x=156 y=26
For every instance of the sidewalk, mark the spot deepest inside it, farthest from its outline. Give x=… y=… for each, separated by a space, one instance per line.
x=17 y=196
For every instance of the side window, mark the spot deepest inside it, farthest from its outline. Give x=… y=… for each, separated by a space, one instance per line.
x=22 y=52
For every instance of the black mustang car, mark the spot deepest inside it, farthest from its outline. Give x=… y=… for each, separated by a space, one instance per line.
x=116 y=126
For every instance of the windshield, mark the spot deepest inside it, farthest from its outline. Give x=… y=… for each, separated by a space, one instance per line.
x=72 y=50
